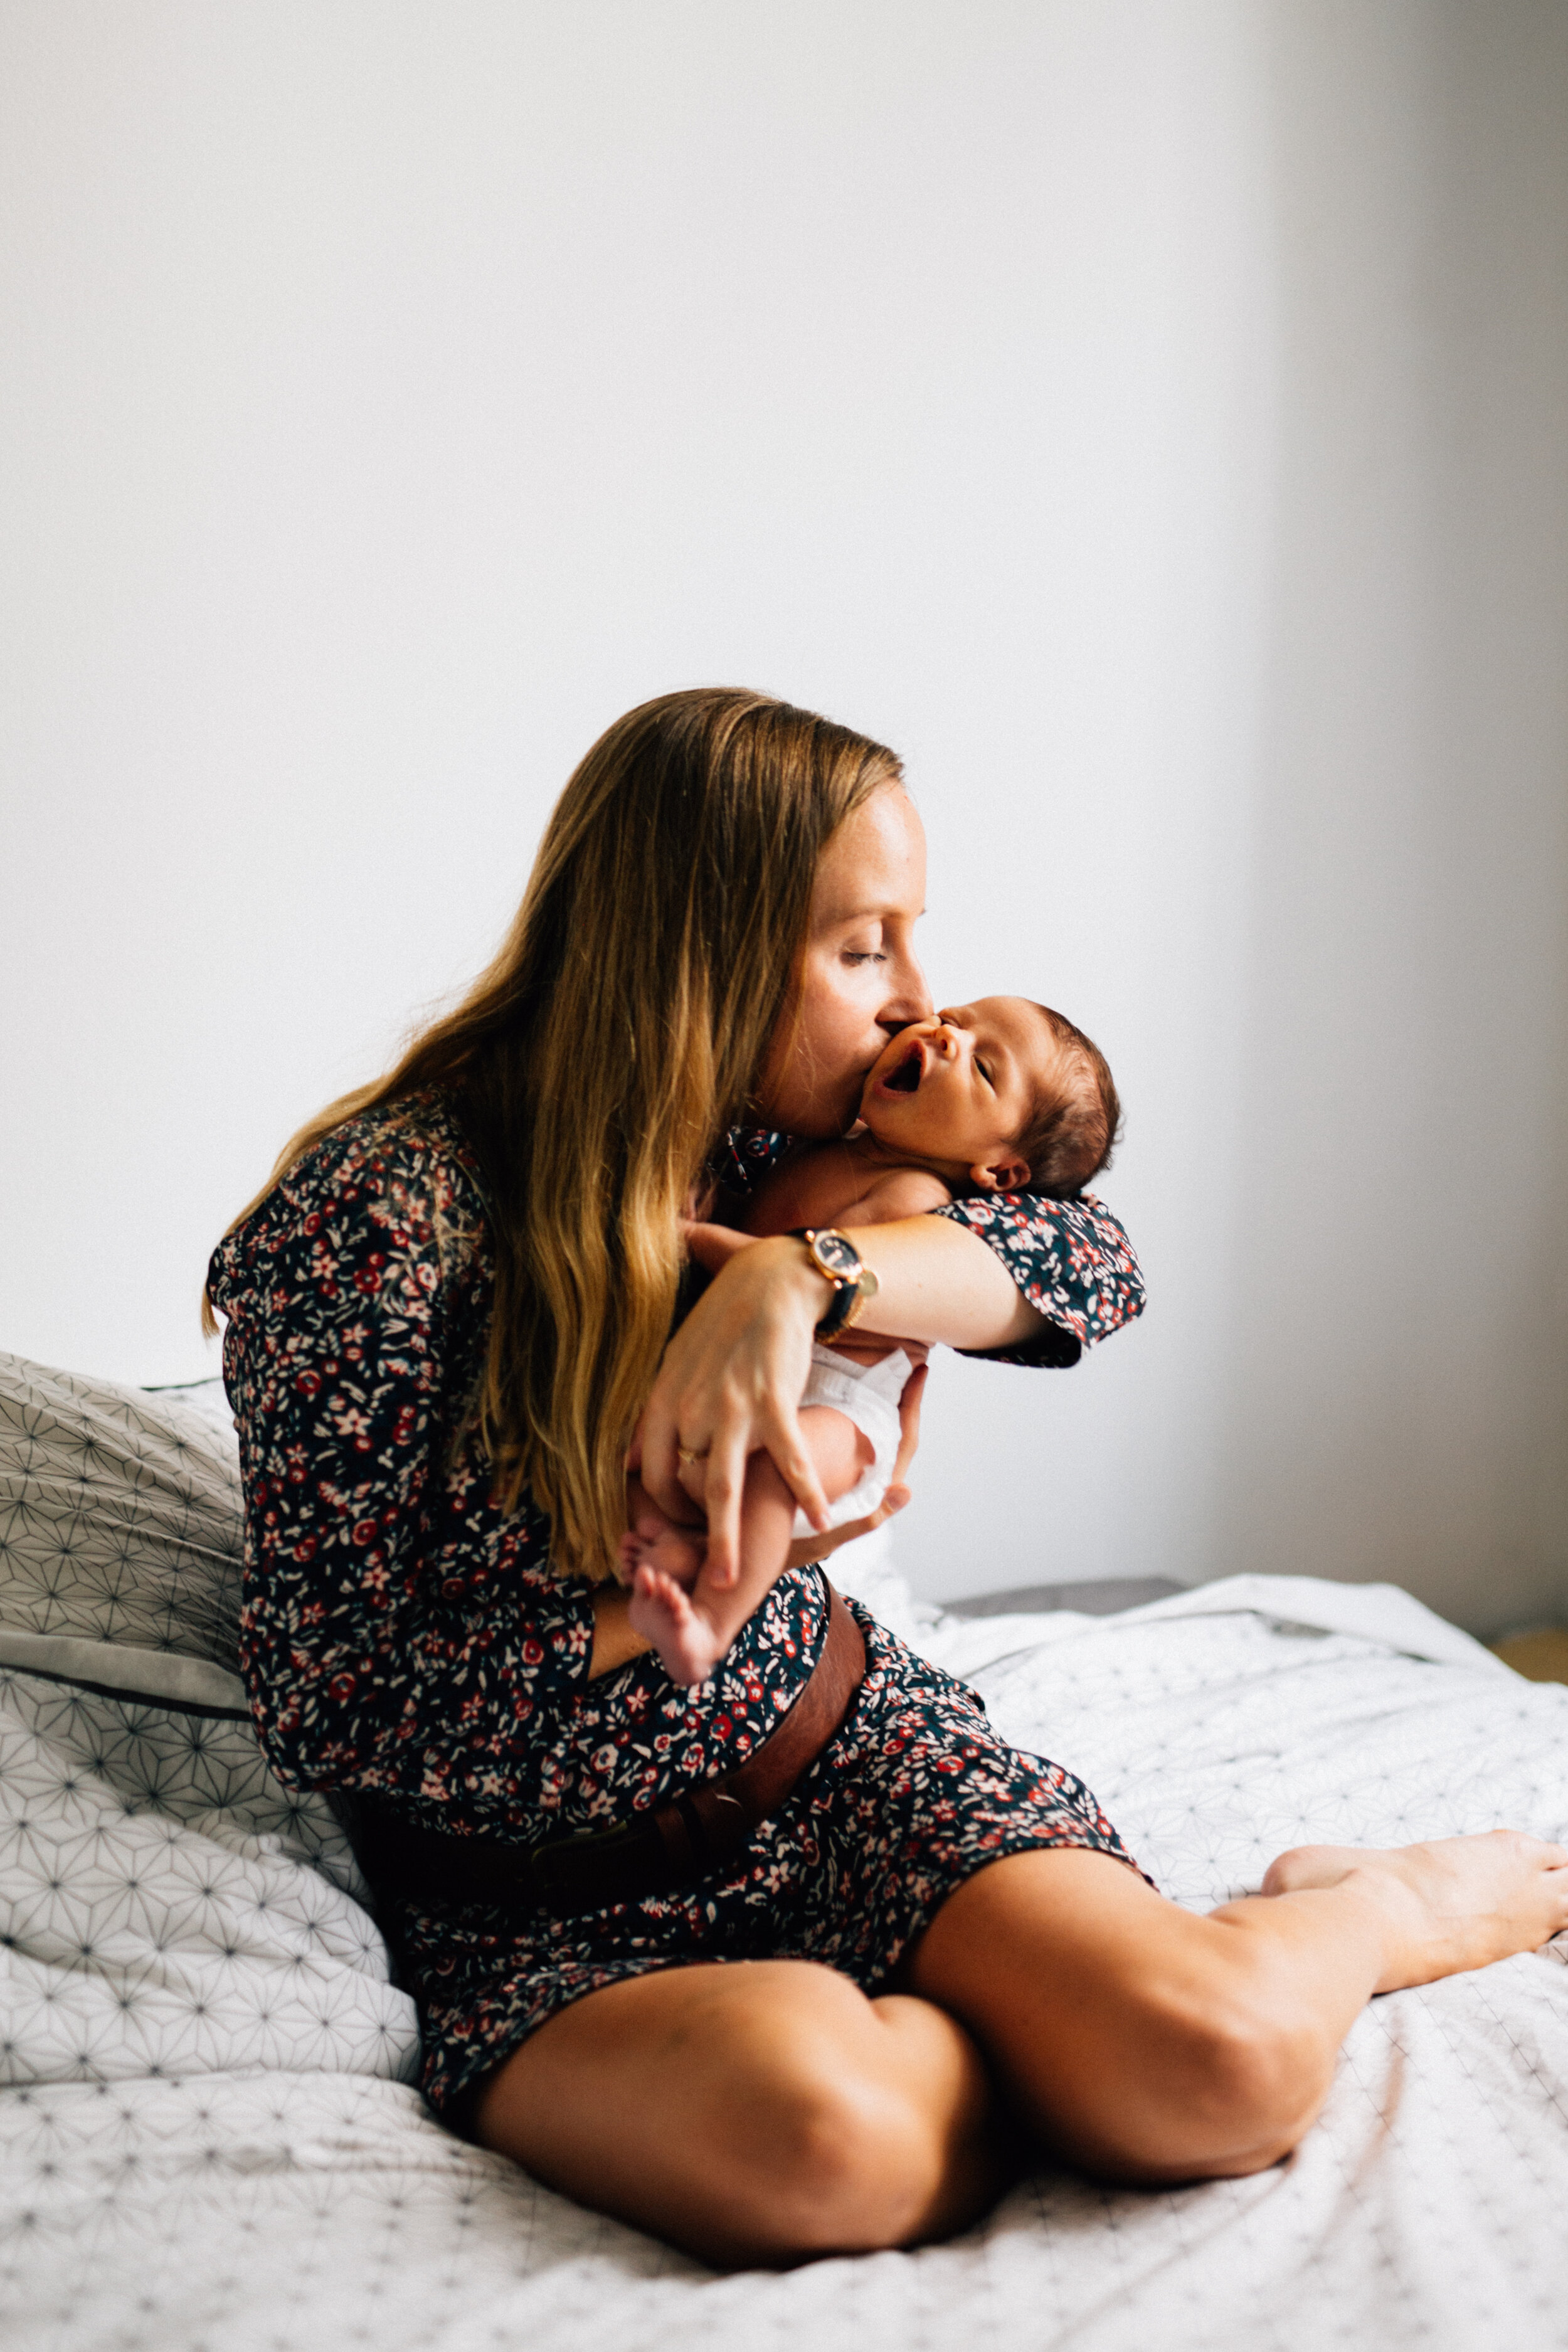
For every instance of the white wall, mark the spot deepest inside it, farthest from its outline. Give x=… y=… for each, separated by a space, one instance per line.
x=1147 y=413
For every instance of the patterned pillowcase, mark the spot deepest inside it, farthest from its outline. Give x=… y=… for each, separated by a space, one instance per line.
x=120 y=1520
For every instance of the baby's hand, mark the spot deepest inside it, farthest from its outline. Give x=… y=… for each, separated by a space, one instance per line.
x=661 y=1612
x=714 y=1245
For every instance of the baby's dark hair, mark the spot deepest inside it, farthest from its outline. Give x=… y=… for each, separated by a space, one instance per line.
x=1075 y=1123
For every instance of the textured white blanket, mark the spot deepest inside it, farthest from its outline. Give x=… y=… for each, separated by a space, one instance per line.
x=250 y=2175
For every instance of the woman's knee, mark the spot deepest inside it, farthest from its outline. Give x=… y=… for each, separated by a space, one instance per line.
x=1272 y=2070
x=837 y=2146
x=755 y=2113
x=1230 y=2089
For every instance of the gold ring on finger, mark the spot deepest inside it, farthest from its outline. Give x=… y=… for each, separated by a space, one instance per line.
x=685 y=1454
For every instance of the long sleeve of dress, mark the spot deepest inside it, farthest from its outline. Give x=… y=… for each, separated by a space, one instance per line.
x=399 y=1631
x=1071 y=1259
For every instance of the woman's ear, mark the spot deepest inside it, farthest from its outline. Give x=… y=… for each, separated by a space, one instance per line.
x=1010 y=1175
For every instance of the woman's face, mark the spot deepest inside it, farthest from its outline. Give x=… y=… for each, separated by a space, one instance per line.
x=859 y=979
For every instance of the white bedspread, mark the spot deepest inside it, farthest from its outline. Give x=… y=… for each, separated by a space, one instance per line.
x=208 y=2142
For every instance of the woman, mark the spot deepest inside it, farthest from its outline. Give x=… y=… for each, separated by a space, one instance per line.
x=448 y=1327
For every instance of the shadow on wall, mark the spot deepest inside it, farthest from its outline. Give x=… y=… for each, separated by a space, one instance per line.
x=1408 y=980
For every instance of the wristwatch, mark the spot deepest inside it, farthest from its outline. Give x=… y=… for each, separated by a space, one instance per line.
x=854 y=1285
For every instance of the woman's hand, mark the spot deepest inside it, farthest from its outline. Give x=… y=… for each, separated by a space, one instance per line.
x=729 y=1386
x=806 y=1549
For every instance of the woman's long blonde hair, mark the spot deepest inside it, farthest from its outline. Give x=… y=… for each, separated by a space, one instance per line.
x=620 y=1030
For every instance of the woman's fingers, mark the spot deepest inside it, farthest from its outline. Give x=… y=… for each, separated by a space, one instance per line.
x=726 y=1389
x=807 y=1551
x=909 y=1427
x=892 y=1502
x=654 y=1455
x=783 y=1439
x=723 y=1477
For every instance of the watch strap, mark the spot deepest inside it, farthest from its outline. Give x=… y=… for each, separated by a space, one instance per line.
x=849 y=1296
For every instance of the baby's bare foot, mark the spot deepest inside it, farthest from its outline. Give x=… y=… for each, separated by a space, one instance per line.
x=661 y=1612
x=1452 y=1904
x=668 y=1548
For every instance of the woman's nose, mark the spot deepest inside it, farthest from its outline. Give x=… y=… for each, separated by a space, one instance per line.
x=912 y=1001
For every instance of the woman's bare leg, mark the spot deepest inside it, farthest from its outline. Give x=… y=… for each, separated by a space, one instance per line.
x=762 y=2112
x=1148 y=2044
x=768 y=2112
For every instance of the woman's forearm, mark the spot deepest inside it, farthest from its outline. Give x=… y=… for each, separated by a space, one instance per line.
x=940 y=1282
x=937 y=1282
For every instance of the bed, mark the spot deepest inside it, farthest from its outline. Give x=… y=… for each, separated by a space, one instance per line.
x=208 y=2130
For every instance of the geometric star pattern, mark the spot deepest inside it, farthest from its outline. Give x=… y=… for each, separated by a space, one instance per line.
x=167 y=1908
x=209 y=2136
x=275 y=2213
x=120 y=1514
x=1214 y=1742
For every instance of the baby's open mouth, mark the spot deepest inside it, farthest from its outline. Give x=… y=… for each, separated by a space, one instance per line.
x=905 y=1076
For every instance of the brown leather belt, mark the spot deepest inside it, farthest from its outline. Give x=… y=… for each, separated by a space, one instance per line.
x=672 y=1844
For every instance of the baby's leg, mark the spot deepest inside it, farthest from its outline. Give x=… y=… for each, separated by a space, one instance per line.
x=652 y=1536
x=692 y=1623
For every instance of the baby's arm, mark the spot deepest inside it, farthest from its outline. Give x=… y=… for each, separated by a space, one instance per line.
x=687 y=1616
x=903 y=1192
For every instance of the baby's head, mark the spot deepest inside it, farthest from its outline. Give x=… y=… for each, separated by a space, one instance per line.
x=1000 y=1096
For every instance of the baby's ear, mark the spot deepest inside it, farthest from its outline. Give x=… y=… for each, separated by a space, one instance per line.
x=1010 y=1175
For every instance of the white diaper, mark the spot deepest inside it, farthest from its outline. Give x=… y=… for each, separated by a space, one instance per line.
x=868 y=1395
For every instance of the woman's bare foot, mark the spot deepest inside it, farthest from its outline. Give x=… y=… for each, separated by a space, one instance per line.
x=1454 y=1904
x=662 y=1612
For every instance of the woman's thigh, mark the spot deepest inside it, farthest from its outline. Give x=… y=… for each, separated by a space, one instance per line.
x=758 y=2111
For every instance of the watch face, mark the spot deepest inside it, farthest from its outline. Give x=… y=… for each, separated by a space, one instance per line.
x=838 y=1256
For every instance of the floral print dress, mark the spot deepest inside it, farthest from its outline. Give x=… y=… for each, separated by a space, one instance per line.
x=402 y=1635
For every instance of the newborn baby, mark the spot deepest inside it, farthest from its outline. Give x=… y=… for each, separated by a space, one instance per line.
x=1001 y=1096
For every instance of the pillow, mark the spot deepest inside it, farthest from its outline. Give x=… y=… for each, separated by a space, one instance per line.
x=120 y=1528
x=166 y=1904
